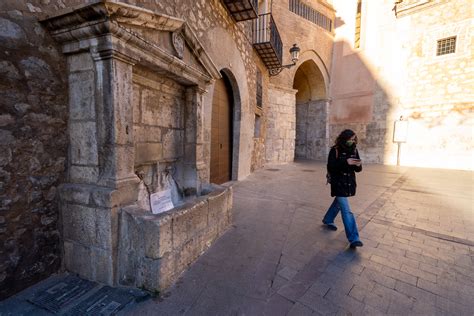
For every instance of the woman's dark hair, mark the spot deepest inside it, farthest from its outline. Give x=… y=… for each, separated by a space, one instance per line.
x=344 y=136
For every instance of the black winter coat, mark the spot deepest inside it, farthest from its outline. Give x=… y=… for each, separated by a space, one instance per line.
x=343 y=179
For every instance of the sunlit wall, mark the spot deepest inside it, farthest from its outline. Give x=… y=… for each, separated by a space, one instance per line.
x=396 y=66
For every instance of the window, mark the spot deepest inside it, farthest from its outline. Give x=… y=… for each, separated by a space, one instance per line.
x=259 y=89
x=256 y=133
x=310 y=14
x=446 y=46
x=357 y=24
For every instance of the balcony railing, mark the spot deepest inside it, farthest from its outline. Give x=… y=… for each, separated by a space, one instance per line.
x=242 y=10
x=267 y=41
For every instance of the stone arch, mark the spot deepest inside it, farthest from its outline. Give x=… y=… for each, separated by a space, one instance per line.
x=321 y=68
x=311 y=81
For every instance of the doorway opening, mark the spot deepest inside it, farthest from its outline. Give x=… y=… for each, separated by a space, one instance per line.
x=222 y=131
x=311 y=112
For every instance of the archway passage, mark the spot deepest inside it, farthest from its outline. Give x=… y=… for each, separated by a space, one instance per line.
x=311 y=112
x=221 y=132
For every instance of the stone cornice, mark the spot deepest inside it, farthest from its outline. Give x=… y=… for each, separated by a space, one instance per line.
x=95 y=26
x=111 y=10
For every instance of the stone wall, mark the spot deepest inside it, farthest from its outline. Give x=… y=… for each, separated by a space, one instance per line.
x=159 y=109
x=396 y=73
x=33 y=148
x=281 y=126
x=438 y=101
x=311 y=136
x=316 y=46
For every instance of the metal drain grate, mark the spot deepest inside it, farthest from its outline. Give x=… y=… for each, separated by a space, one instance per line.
x=72 y=295
x=59 y=296
x=308 y=170
x=107 y=301
x=272 y=169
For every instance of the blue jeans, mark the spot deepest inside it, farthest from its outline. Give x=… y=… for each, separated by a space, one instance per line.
x=341 y=203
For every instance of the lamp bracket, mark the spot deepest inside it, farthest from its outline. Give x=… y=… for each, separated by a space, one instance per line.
x=276 y=71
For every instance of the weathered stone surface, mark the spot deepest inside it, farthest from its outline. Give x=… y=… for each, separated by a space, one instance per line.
x=83 y=143
x=82 y=174
x=148 y=152
x=9 y=71
x=81 y=96
x=32 y=148
x=78 y=258
x=158 y=235
x=11 y=31
x=164 y=245
x=79 y=224
x=75 y=194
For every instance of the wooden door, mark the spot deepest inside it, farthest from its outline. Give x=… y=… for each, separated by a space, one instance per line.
x=221 y=131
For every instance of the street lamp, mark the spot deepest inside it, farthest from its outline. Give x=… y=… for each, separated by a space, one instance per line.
x=295 y=54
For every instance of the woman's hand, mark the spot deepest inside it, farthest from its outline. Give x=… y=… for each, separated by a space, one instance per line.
x=354 y=162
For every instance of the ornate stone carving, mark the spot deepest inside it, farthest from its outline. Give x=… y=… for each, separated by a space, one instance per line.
x=178 y=44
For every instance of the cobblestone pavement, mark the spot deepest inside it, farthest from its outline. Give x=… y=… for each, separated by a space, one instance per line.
x=417 y=226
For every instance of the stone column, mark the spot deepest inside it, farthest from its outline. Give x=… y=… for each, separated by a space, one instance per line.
x=101 y=166
x=195 y=171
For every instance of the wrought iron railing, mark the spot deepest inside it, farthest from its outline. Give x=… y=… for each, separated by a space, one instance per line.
x=310 y=14
x=242 y=10
x=267 y=40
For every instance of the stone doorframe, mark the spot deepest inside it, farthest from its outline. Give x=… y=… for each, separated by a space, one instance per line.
x=103 y=42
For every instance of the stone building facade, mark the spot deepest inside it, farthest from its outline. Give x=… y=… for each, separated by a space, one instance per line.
x=392 y=69
x=178 y=95
x=98 y=116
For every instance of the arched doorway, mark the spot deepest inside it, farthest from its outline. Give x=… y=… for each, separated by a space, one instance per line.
x=221 y=131
x=311 y=112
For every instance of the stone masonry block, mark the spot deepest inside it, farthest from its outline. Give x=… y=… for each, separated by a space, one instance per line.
x=81 y=96
x=88 y=226
x=230 y=194
x=77 y=259
x=190 y=251
x=83 y=174
x=102 y=265
x=147 y=134
x=148 y=152
x=158 y=274
x=173 y=143
x=105 y=220
x=130 y=247
x=83 y=140
x=79 y=224
x=103 y=197
x=188 y=221
x=80 y=62
x=158 y=236
x=218 y=208
x=75 y=193
x=124 y=160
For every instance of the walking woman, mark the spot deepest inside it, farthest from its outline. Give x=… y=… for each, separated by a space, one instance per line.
x=343 y=163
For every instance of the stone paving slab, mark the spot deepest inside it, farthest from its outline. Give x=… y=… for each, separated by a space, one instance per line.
x=277 y=259
x=417 y=257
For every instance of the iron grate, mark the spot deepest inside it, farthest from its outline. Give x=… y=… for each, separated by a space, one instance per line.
x=61 y=295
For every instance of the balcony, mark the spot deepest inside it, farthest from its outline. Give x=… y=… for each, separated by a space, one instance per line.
x=267 y=41
x=242 y=10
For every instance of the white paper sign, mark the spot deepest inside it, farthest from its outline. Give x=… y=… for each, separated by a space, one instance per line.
x=400 y=132
x=161 y=201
